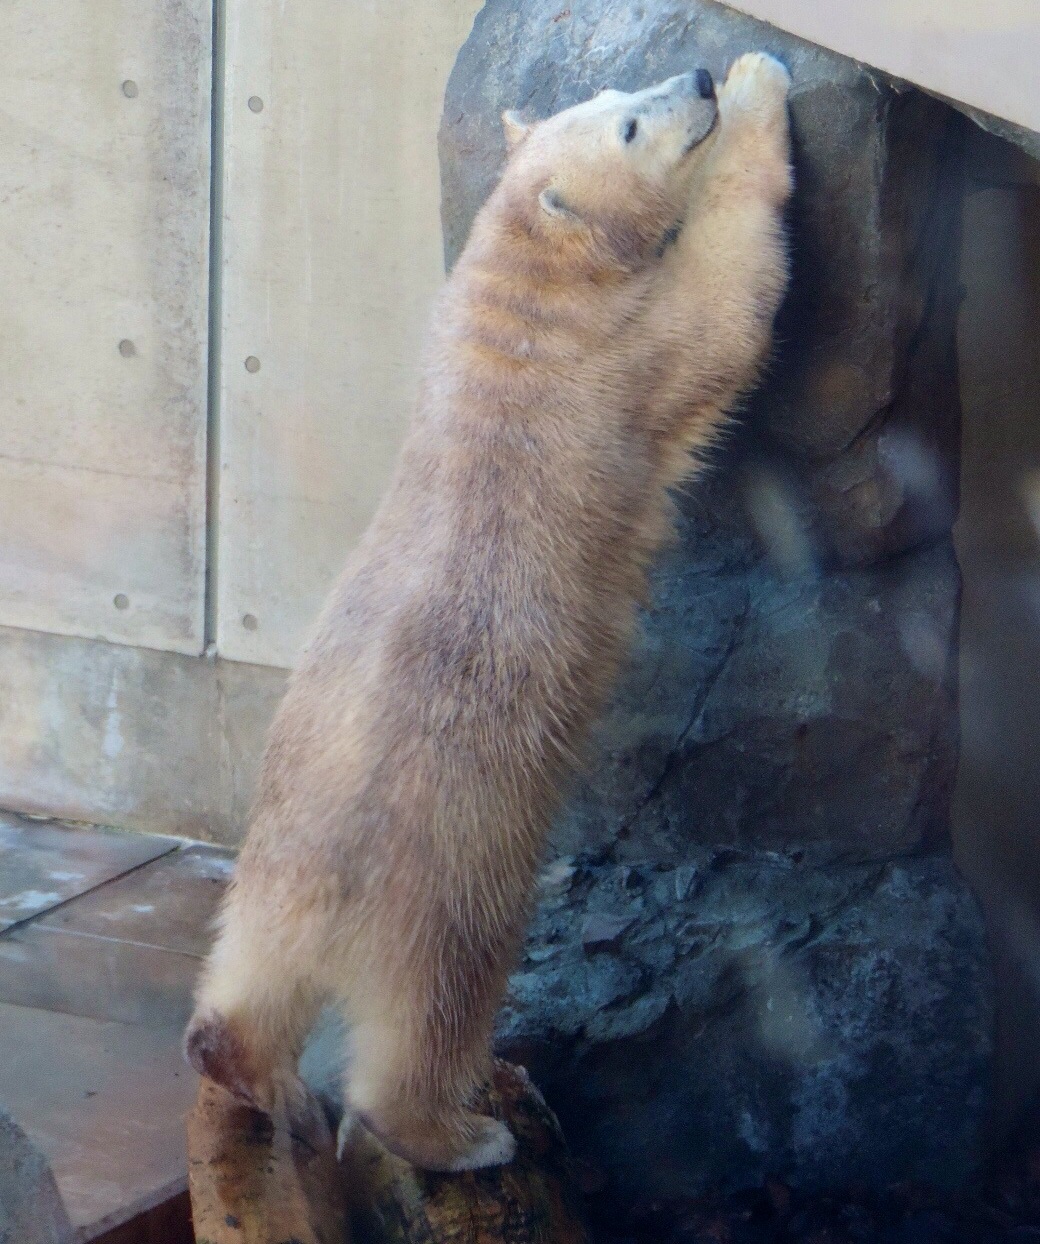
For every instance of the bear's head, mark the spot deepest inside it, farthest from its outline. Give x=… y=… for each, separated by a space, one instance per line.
x=612 y=174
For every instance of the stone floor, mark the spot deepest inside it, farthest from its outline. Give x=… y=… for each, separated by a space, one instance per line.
x=100 y=939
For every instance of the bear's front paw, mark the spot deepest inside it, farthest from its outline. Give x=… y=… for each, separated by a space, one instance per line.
x=756 y=83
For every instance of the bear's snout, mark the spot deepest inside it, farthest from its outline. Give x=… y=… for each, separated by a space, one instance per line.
x=696 y=82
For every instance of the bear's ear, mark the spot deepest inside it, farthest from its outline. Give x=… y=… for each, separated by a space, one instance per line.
x=553 y=205
x=515 y=128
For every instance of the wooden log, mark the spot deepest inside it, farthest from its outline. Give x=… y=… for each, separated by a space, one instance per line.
x=254 y=1183
x=533 y=1200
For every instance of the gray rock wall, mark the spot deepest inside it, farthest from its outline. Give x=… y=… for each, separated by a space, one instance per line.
x=31 y=1209
x=787 y=724
x=738 y=1015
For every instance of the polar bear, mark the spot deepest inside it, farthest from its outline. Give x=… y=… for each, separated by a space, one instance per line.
x=616 y=295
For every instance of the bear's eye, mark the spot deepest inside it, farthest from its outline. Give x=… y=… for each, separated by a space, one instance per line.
x=630 y=130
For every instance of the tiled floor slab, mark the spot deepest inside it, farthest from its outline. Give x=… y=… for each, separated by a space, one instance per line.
x=169 y=903
x=101 y=938
x=44 y=864
x=128 y=950
x=105 y=1103
x=96 y=977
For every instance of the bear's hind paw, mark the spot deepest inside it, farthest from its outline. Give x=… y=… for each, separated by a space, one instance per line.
x=494 y=1145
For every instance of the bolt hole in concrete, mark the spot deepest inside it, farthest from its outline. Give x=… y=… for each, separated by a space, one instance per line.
x=256 y=104
x=250 y=621
x=252 y=364
x=129 y=89
x=127 y=348
x=121 y=601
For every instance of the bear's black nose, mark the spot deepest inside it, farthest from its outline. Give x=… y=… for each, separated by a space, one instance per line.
x=705 y=85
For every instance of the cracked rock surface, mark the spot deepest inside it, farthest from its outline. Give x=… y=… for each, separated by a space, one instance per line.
x=816 y=713
x=766 y=962
x=741 y=1014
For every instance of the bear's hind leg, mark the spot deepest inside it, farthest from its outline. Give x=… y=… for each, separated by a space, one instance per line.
x=411 y=1085
x=252 y=1016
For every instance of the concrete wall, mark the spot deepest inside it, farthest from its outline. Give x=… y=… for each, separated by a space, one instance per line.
x=327 y=252
x=144 y=520
x=332 y=251
x=125 y=736
x=981 y=53
x=104 y=187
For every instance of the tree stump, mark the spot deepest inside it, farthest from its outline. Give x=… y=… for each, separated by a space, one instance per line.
x=254 y=1183
x=533 y=1200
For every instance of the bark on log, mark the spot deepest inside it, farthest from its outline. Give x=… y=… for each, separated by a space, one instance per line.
x=253 y=1183
x=533 y=1200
